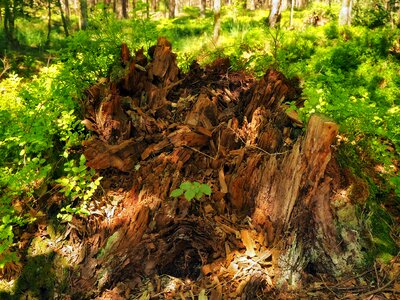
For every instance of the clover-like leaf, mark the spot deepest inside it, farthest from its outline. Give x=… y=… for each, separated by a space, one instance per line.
x=176 y=193
x=187 y=185
x=189 y=195
x=205 y=188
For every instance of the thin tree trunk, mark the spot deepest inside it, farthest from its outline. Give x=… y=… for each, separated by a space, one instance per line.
x=203 y=4
x=177 y=4
x=124 y=9
x=115 y=7
x=9 y=21
x=275 y=13
x=63 y=19
x=398 y=18
x=171 y=9
x=291 y=13
x=217 y=20
x=48 y=23
x=345 y=12
x=154 y=5
x=67 y=11
x=83 y=15
x=252 y=4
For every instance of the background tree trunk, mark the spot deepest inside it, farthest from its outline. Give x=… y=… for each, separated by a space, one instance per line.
x=203 y=5
x=252 y=5
x=10 y=15
x=48 y=22
x=171 y=8
x=124 y=9
x=67 y=11
x=177 y=7
x=83 y=17
x=63 y=18
x=345 y=12
x=301 y=4
x=154 y=5
x=274 y=17
x=291 y=12
x=217 y=20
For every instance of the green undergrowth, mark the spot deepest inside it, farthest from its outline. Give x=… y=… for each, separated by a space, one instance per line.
x=40 y=146
x=350 y=74
x=372 y=219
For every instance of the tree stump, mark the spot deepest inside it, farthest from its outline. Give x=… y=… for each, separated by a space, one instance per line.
x=159 y=128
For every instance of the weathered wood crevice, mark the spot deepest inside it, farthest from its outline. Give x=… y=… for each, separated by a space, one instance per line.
x=222 y=128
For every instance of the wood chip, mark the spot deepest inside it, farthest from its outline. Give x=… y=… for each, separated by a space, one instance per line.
x=222 y=182
x=248 y=242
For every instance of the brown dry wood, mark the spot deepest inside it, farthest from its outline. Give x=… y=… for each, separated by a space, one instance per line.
x=231 y=132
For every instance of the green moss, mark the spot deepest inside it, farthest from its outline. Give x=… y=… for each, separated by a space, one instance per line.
x=379 y=224
x=37 y=278
x=110 y=242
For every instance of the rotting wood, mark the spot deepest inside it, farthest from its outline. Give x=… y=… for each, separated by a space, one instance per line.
x=227 y=130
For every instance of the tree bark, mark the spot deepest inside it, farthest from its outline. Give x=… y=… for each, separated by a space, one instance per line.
x=124 y=9
x=48 y=23
x=67 y=11
x=301 y=4
x=203 y=5
x=83 y=17
x=154 y=5
x=291 y=12
x=252 y=5
x=9 y=21
x=345 y=12
x=116 y=9
x=63 y=18
x=274 y=17
x=217 y=20
x=171 y=8
x=177 y=8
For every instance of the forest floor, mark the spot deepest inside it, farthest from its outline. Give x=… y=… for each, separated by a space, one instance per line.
x=152 y=131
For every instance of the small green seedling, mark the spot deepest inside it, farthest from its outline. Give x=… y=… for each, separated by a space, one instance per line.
x=192 y=190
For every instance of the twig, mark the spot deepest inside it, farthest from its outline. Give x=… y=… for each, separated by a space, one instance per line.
x=332 y=291
x=141 y=68
x=258 y=148
x=6 y=66
x=172 y=85
x=378 y=290
x=198 y=151
x=375 y=291
x=351 y=278
x=376 y=276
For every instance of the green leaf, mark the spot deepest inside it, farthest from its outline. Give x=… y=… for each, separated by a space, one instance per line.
x=84 y=211
x=187 y=185
x=199 y=195
x=82 y=159
x=189 y=195
x=205 y=188
x=176 y=193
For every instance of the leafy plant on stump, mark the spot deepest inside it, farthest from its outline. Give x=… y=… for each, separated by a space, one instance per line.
x=192 y=190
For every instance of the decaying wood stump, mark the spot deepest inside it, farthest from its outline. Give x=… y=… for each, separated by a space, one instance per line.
x=227 y=130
